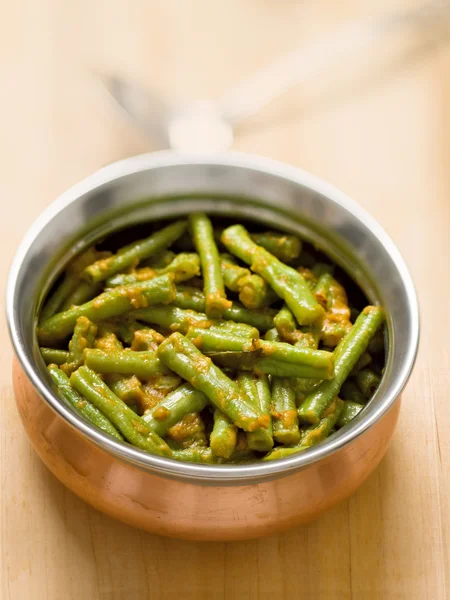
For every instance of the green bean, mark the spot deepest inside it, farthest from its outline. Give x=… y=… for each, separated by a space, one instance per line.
x=304 y=385
x=190 y=431
x=261 y=439
x=84 y=292
x=255 y=293
x=362 y=363
x=205 y=456
x=367 y=381
x=347 y=354
x=157 y=388
x=131 y=255
x=282 y=245
x=80 y=404
x=68 y=284
x=316 y=433
x=178 y=319
x=284 y=411
x=238 y=329
x=350 y=391
x=284 y=452
x=232 y=361
x=173 y=319
x=125 y=362
x=309 y=339
x=181 y=356
x=159 y=260
x=146 y=339
x=272 y=366
x=284 y=280
x=272 y=335
x=254 y=361
x=183 y=266
x=308 y=276
x=83 y=337
x=63 y=290
x=287 y=330
x=126 y=328
x=137 y=275
x=174 y=407
x=297 y=355
x=313 y=434
x=128 y=389
x=54 y=356
x=286 y=326
x=227 y=333
x=215 y=298
x=220 y=339
x=134 y=429
x=264 y=395
x=232 y=272
x=191 y=298
x=337 y=319
x=322 y=290
x=109 y=304
x=333 y=332
x=106 y=339
x=223 y=436
x=349 y=412
x=195 y=454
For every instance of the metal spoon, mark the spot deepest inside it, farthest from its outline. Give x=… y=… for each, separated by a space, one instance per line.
x=206 y=125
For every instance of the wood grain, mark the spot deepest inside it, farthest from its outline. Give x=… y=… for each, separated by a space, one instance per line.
x=383 y=138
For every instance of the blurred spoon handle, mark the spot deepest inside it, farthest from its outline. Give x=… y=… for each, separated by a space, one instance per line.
x=302 y=64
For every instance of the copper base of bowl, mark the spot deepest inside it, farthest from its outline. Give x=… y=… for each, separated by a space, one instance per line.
x=178 y=509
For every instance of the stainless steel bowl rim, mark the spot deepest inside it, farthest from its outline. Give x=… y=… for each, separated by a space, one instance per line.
x=212 y=474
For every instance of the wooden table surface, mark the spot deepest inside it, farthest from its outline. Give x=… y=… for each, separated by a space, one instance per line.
x=383 y=137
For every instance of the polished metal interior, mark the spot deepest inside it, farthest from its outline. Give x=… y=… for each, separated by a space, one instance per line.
x=168 y=184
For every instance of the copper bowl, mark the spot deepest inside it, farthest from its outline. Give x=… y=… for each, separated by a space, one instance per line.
x=200 y=501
